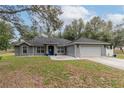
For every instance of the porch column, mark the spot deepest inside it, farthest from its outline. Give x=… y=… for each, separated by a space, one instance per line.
x=33 y=51
x=21 y=50
x=27 y=51
x=55 y=49
x=46 y=49
x=75 y=50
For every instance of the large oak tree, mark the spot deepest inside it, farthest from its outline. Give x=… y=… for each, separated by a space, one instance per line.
x=44 y=17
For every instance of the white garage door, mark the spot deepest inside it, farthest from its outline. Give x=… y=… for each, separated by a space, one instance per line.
x=90 y=51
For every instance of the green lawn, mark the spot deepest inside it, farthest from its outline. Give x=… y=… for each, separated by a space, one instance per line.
x=119 y=54
x=43 y=72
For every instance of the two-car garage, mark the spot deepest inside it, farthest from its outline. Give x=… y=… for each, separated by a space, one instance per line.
x=84 y=47
x=85 y=50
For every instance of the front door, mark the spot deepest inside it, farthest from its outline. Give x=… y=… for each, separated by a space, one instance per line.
x=51 y=50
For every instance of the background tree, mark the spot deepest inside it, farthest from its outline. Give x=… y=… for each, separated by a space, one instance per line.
x=88 y=33
x=69 y=33
x=58 y=34
x=118 y=36
x=98 y=29
x=6 y=34
x=118 y=39
x=74 y=30
x=95 y=25
x=27 y=32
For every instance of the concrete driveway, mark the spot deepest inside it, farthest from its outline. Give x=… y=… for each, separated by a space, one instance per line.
x=113 y=62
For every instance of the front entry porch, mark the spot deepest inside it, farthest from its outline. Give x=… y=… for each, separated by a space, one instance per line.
x=54 y=50
x=51 y=49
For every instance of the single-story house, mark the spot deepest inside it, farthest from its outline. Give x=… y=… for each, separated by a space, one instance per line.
x=53 y=46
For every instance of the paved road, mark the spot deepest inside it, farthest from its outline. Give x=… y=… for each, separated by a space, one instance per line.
x=113 y=62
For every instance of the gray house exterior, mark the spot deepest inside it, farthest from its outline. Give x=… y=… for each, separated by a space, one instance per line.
x=53 y=46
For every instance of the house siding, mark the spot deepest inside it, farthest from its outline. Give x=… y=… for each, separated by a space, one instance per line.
x=17 y=51
x=77 y=52
x=30 y=51
x=103 y=50
x=71 y=50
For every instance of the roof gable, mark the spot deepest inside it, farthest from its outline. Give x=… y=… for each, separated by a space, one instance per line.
x=20 y=43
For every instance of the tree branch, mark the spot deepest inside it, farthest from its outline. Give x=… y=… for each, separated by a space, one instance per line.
x=14 y=11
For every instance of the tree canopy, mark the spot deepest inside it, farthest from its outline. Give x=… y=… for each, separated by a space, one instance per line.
x=43 y=17
x=96 y=28
x=6 y=34
x=74 y=30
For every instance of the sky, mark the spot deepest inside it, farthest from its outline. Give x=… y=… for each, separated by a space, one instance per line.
x=113 y=13
x=87 y=12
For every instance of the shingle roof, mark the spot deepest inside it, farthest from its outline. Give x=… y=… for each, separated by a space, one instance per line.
x=39 y=41
x=88 y=41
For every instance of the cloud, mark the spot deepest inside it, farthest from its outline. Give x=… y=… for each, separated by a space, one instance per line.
x=116 y=18
x=73 y=12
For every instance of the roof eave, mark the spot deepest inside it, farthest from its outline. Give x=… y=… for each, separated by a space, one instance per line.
x=92 y=43
x=88 y=43
x=22 y=43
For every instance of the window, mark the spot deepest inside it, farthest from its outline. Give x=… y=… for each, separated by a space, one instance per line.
x=61 y=49
x=40 y=49
x=24 y=49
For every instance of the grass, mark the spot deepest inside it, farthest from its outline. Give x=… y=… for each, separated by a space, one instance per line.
x=119 y=54
x=43 y=72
